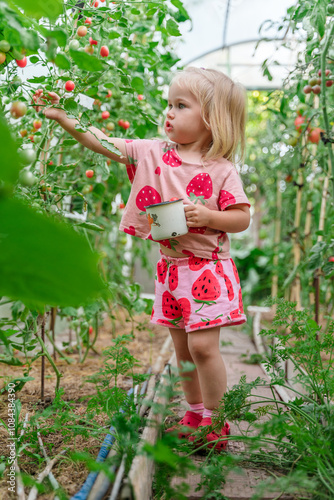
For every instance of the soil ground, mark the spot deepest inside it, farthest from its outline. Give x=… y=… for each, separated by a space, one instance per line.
x=146 y=347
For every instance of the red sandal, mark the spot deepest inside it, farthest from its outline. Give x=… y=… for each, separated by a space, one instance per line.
x=189 y=422
x=212 y=436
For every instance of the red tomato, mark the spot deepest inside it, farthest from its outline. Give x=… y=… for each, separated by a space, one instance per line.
x=89 y=173
x=96 y=4
x=126 y=125
x=18 y=109
x=109 y=93
x=140 y=97
x=299 y=122
x=69 y=85
x=330 y=259
x=2 y=57
x=314 y=135
x=327 y=72
x=90 y=330
x=122 y=205
x=316 y=89
x=88 y=20
x=121 y=123
x=105 y=115
x=22 y=63
x=104 y=51
x=92 y=42
x=82 y=31
x=37 y=124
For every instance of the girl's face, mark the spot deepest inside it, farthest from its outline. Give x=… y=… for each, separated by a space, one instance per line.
x=184 y=123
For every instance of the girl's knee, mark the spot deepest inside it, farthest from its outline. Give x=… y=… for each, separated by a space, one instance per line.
x=200 y=349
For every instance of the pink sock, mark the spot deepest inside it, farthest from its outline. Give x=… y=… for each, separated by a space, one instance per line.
x=207 y=413
x=197 y=408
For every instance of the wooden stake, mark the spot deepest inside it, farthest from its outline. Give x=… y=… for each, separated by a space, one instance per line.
x=277 y=237
x=53 y=317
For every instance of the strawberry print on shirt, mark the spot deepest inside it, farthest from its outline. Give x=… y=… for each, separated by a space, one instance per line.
x=158 y=173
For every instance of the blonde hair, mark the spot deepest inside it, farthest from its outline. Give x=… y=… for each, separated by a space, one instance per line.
x=223 y=109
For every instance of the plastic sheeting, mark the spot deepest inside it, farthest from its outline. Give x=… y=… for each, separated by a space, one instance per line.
x=224 y=34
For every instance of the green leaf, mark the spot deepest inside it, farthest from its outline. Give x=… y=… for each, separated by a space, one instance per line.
x=37 y=79
x=138 y=84
x=69 y=142
x=320 y=19
x=87 y=62
x=90 y=225
x=70 y=105
x=59 y=34
x=41 y=8
x=113 y=34
x=62 y=61
x=110 y=147
x=43 y=261
x=80 y=128
x=172 y=28
x=10 y=164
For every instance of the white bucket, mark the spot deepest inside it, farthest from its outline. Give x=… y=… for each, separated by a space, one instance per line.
x=167 y=219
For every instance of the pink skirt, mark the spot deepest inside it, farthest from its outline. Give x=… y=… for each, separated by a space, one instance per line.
x=193 y=293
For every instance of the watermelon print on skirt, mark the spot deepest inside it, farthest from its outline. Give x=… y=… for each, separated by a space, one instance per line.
x=195 y=294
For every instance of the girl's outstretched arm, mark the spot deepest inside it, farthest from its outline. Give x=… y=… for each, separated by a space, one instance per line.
x=233 y=219
x=89 y=139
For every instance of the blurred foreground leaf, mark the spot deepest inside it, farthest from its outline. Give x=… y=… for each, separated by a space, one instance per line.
x=43 y=261
x=39 y=8
x=9 y=165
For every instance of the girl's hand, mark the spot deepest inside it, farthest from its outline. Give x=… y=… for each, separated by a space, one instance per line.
x=197 y=215
x=45 y=102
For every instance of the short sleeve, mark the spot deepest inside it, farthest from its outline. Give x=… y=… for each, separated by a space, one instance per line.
x=136 y=150
x=232 y=192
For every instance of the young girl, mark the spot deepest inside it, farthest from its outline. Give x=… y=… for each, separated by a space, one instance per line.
x=197 y=287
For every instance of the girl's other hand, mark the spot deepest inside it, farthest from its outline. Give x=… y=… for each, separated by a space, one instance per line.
x=197 y=215
x=45 y=102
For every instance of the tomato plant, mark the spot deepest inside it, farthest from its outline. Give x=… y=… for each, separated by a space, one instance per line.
x=45 y=46
x=289 y=171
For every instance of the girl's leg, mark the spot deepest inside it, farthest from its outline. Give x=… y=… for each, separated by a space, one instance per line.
x=203 y=348
x=191 y=387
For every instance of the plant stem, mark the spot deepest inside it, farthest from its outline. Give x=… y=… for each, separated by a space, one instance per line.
x=46 y=353
x=68 y=360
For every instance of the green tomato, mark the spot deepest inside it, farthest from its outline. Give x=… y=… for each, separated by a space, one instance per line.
x=27 y=156
x=74 y=44
x=4 y=46
x=6 y=100
x=37 y=139
x=330 y=9
x=27 y=178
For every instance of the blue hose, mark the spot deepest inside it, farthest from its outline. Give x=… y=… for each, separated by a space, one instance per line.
x=103 y=453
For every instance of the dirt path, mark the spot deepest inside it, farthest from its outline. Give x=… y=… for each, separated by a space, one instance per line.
x=146 y=347
x=238 y=486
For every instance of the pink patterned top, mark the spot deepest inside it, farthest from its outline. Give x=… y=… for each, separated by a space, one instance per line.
x=157 y=174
